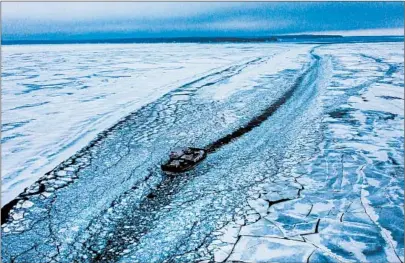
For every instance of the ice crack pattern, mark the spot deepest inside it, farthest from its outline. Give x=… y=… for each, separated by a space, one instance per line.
x=320 y=179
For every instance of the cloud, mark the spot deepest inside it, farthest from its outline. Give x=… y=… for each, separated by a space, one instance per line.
x=245 y=24
x=363 y=32
x=68 y=11
x=68 y=20
x=150 y=25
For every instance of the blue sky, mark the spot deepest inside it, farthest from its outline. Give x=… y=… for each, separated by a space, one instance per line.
x=94 y=20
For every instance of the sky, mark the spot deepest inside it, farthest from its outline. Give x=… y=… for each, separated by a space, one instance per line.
x=103 y=20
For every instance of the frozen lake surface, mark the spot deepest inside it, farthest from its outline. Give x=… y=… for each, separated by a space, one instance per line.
x=320 y=179
x=56 y=98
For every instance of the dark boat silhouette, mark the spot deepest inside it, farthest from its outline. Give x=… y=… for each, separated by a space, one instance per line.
x=183 y=159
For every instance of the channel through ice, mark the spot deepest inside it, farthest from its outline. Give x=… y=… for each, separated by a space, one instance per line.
x=85 y=128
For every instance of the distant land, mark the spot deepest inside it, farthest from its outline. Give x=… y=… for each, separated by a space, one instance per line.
x=283 y=38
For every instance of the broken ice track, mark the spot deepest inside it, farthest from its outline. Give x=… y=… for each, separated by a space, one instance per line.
x=185 y=159
x=253 y=192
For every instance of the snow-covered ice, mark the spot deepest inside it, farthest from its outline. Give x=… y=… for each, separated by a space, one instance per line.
x=319 y=180
x=56 y=98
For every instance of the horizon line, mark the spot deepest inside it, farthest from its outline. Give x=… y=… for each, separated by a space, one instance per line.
x=193 y=39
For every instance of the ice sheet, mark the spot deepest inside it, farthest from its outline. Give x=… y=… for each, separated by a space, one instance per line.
x=56 y=98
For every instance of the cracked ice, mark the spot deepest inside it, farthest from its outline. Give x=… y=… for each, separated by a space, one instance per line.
x=319 y=180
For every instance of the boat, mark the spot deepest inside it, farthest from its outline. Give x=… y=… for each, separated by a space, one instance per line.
x=183 y=159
